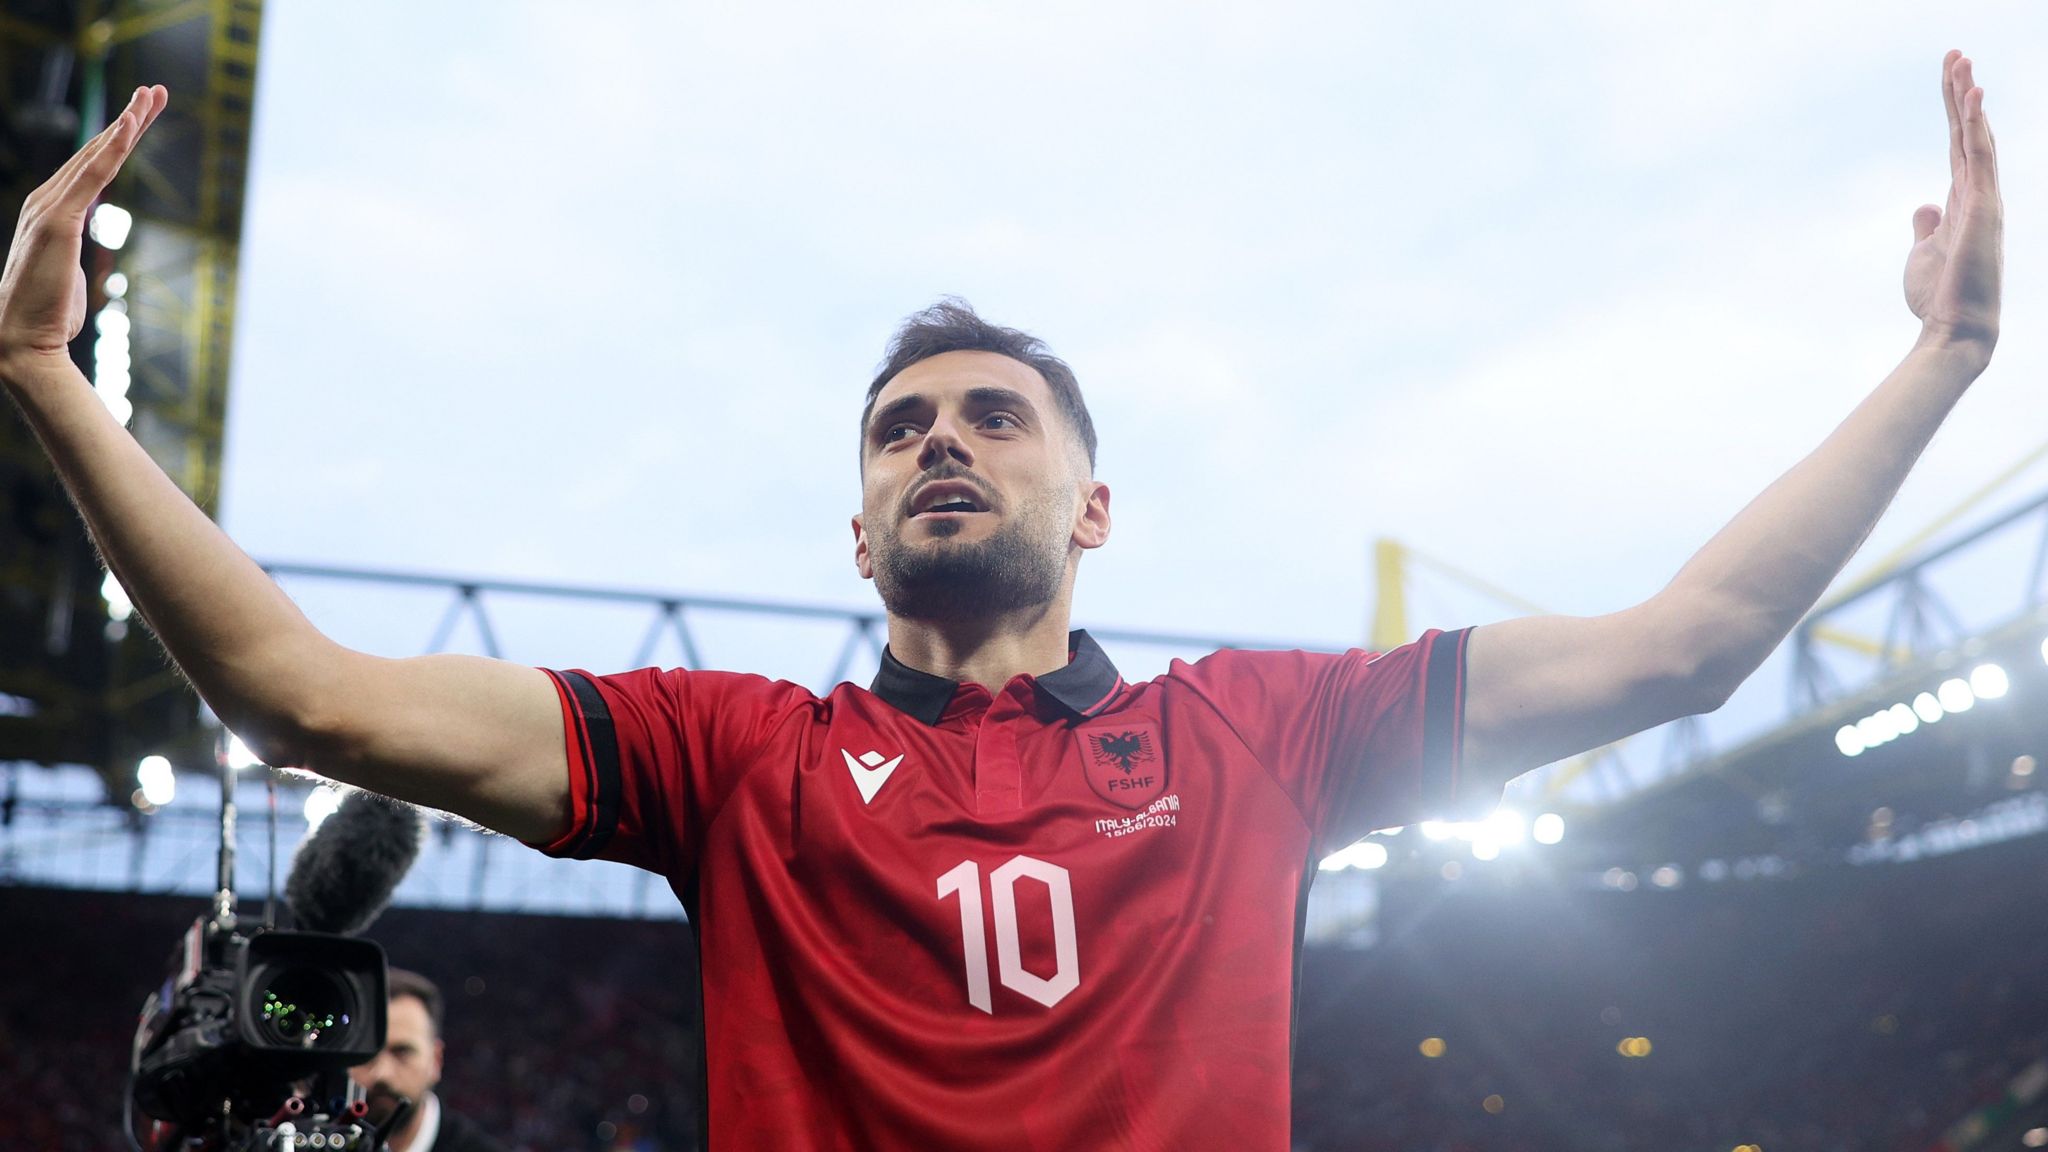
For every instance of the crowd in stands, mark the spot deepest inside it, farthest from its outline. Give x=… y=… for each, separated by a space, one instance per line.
x=1864 y=1009
x=1834 y=1009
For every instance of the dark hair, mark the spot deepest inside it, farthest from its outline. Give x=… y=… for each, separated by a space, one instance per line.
x=951 y=325
x=408 y=983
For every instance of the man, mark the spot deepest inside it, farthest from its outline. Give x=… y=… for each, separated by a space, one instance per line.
x=1003 y=898
x=410 y=1067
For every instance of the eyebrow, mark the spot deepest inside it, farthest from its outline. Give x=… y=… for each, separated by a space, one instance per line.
x=983 y=396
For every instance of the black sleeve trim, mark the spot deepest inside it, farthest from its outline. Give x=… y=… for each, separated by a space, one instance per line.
x=601 y=759
x=1443 y=727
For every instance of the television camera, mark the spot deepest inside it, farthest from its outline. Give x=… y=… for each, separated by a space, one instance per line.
x=248 y=1041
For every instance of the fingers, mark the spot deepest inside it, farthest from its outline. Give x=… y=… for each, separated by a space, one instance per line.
x=1955 y=117
x=97 y=164
x=66 y=175
x=159 y=98
x=62 y=178
x=1979 y=152
x=99 y=161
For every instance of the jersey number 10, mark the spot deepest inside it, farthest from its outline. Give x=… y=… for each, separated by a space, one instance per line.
x=965 y=882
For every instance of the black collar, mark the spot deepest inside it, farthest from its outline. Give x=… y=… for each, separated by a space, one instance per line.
x=1082 y=687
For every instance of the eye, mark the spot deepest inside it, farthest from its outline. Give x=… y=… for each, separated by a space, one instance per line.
x=999 y=420
x=896 y=432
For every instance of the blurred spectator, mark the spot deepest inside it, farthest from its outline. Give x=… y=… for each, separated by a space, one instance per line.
x=1842 y=1008
x=409 y=1069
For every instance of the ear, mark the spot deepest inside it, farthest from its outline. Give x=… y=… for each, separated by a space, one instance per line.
x=1091 y=526
x=861 y=562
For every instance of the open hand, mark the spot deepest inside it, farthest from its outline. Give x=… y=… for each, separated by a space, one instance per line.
x=1954 y=269
x=42 y=292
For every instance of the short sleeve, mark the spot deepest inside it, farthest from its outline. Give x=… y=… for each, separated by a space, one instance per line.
x=653 y=755
x=1358 y=741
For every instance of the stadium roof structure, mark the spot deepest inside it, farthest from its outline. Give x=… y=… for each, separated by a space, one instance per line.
x=1912 y=742
x=77 y=685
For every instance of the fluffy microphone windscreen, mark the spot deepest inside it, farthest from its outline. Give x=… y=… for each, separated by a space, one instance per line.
x=344 y=873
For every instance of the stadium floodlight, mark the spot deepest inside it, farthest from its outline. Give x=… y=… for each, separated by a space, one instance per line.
x=1904 y=718
x=239 y=755
x=1989 y=681
x=1547 y=828
x=1436 y=829
x=1485 y=848
x=320 y=804
x=2044 y=651
x=1668 y=876
x=116 y=285
x=112 y=360
x=1505 y=826
x=1875 y=729
x=119 y=607
x=1365 y=854
x=159 y=783
x=1955 y=695
x=1850 y=740
x=110 y=225
x=1927 y=708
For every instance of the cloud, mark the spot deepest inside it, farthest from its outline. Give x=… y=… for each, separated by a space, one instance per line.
x=1549 y=291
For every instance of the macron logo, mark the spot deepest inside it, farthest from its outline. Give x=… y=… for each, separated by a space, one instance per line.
x=869 y=771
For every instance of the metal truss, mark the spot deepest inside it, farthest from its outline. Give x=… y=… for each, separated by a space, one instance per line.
x=91 y=691
x=1943 y=600
x=1979 y=596
x=673 y=617
x=1950 y=599
x=54 y=836
x=1938 y=603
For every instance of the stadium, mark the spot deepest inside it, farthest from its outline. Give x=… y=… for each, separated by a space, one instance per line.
x=1807 y=919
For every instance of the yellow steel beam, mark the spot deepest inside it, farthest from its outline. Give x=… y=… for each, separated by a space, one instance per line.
x=1392 y=560
x=140 y=20
x=205 y=413
x=1885 y=564
x=1482 y=586
x=1390 y=611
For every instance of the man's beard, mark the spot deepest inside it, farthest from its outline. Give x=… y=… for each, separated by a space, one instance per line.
x=946 y=579
x=383 y=1101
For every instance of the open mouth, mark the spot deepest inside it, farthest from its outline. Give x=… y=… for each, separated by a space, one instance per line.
x=947 y=499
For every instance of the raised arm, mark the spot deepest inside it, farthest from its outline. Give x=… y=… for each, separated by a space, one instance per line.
x=481 y=738
x=1543 y=688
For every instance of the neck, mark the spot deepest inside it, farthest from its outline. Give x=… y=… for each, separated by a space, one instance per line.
x=989 y=652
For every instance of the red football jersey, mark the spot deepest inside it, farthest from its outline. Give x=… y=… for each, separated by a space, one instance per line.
x=1062 y=916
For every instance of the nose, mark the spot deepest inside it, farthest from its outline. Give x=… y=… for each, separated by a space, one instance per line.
x=944 y=440
x=368 y=1074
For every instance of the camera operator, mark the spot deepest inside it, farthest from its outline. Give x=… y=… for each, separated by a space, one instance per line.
x=410 y=1066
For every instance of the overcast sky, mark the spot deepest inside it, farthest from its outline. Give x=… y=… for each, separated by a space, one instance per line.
x=589 y=293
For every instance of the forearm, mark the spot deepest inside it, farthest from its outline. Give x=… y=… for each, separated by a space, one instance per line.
x=234 y=633
x=1736 y=599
